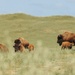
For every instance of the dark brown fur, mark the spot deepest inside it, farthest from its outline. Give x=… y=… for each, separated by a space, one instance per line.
x=19 y=47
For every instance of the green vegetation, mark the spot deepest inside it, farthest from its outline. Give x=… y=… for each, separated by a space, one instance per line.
x=47 y=58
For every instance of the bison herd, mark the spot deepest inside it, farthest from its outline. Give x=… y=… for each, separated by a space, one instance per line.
x=20 y=44
x=66 y=40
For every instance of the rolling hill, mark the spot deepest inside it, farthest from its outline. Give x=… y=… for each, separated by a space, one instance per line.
x=47 y=58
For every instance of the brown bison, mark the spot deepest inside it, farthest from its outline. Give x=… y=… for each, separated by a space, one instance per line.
x=22 y=41
x=31 y=47
x=66 y=45
x=20 y=44
x=66 y=36
x=19 y=47
x=3 y=48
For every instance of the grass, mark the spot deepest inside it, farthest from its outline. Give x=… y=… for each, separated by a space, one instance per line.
x=47 y=58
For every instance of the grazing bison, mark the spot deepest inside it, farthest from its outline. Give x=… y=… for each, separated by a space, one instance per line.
x=22 y=41
x=3 y=48
x=66 y=45
x=66 y=36
x=31 y=47
x=19 y=47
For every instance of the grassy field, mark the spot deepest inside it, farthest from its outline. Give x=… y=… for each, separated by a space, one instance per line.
x=47 y=58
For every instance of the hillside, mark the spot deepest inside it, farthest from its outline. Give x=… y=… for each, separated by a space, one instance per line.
x=47 y=57
x=33 y=29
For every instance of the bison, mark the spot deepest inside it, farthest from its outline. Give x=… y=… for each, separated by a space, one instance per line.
x=22 y=41
x=66 y=36
x=3 y=48
x=66 y=45
x=19 y=47
x=31 y=47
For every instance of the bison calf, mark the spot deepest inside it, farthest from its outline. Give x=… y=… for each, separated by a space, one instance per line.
x=66 y=45
x=19 y=47
x=31 y=47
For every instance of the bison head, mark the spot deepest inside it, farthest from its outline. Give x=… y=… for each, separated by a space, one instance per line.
x=17 y=41
x=60 y=39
